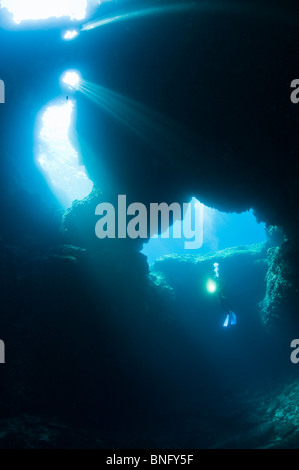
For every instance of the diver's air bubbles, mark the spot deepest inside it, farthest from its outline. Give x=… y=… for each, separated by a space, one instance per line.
x=71 y=80
x=216 y=269
x=71 y=34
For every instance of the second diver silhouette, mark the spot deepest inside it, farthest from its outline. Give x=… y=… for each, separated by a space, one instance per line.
x=230 y=318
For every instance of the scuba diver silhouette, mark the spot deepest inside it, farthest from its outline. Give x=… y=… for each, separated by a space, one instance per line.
x=230 y=318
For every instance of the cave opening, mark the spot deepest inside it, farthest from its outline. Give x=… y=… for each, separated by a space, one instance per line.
x=37 y=10
x=221 y=230
x=56 y=155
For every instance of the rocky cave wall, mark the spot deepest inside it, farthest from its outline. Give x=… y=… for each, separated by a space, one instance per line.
x=226 y=79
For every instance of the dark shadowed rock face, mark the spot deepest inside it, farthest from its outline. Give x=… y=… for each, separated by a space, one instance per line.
x=279 y=307
x=79 y=329
x=98 y=347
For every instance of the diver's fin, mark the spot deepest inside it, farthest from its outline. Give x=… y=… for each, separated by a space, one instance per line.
x=233 y=318
x=225 y=324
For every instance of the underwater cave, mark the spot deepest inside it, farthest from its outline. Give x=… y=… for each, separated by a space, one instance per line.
x=148 y=333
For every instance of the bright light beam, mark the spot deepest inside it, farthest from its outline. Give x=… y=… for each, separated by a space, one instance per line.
x=244 y=8
x=138 y=14
x=72 y=80
x=159 y=132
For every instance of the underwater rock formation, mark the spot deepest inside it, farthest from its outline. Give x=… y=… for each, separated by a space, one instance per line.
x=114 y=348
x=240 y=147
x=91 y=335
x=279 y=307
x=78 y=329
x=27 y=432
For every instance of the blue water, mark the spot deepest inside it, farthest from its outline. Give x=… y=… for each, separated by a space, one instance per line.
x=220 y=231
x=92 y=339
